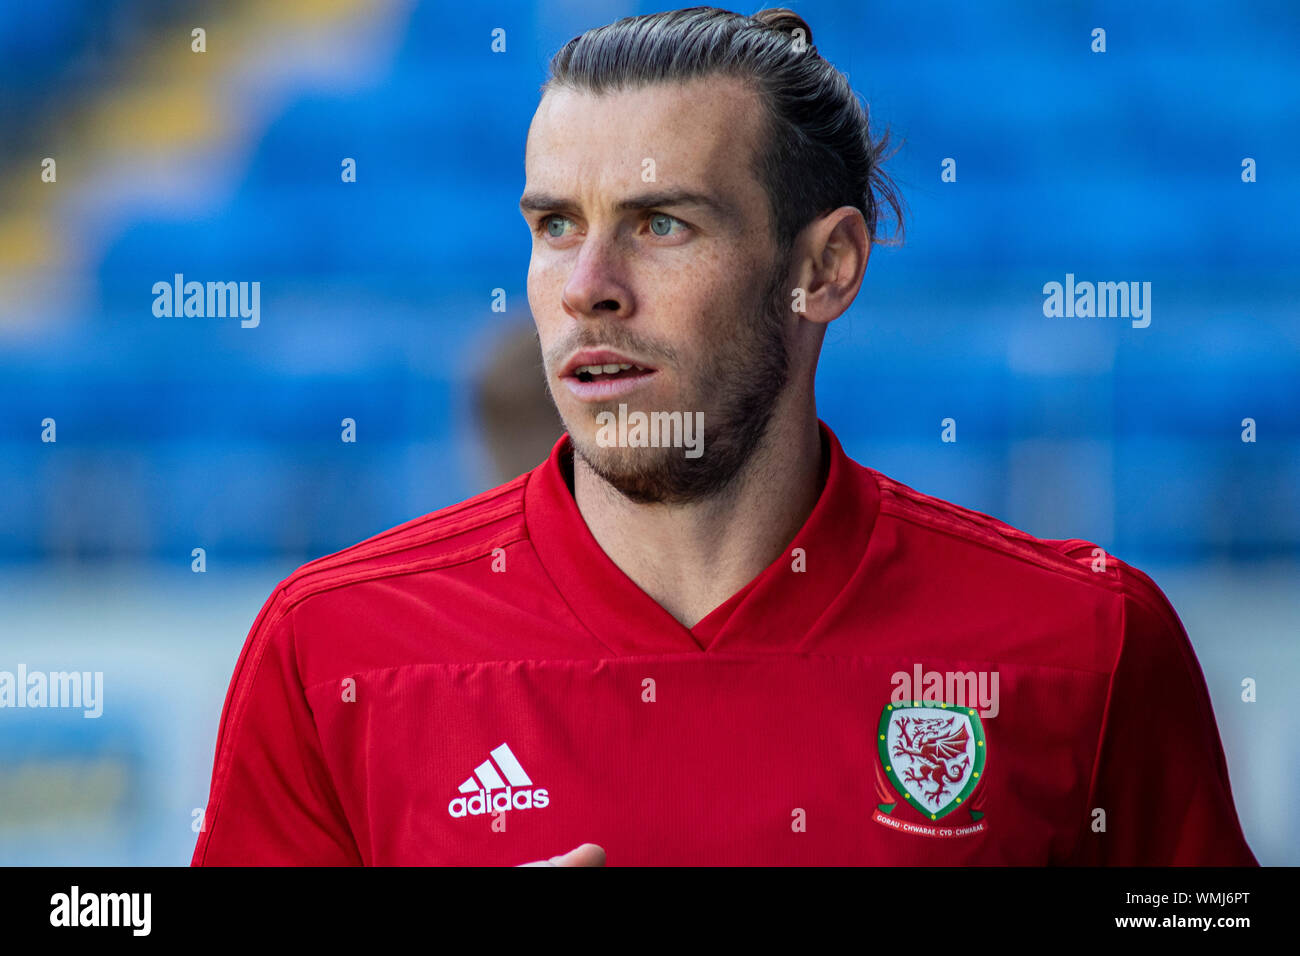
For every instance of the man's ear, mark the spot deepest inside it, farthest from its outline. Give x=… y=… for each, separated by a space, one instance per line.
x=831 y=260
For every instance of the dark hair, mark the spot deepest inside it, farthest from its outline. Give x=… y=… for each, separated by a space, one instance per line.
x=819 y=153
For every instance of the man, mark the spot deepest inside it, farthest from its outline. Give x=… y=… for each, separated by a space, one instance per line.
x=699 y=633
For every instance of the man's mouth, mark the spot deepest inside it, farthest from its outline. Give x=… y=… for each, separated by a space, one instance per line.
x=607 y=373
x=597 y=375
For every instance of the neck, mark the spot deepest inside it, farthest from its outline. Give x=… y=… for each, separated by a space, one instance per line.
x=692 y=557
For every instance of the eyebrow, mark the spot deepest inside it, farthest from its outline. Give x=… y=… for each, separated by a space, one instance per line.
x=542 y=202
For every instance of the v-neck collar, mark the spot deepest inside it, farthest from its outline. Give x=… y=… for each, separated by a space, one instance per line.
x=773 y=611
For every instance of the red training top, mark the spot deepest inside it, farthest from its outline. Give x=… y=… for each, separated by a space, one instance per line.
x=911 y=682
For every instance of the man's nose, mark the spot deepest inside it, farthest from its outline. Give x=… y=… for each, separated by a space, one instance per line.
x=596 y=287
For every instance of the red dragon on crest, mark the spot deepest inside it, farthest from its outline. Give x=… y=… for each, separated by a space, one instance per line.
x=936 y=747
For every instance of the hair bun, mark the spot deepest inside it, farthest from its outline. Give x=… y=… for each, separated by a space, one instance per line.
x=785 y=20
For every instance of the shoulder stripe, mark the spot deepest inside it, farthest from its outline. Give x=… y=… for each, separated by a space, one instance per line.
x=487 y=521
x=908 y=504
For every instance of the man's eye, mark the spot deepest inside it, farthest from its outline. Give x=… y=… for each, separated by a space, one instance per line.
x=661 y=224
x=547 y=226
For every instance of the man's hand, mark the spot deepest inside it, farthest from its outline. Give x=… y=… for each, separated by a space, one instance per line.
x=586 y=855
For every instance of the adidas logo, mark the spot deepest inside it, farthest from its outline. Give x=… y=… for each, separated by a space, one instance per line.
x=492 y=794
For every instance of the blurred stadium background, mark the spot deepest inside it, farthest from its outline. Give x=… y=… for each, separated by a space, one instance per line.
x=376 y=305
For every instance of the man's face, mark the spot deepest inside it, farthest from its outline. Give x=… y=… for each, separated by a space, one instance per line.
x=652 y=247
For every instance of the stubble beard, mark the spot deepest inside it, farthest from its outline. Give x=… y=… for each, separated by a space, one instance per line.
x=737 y=388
